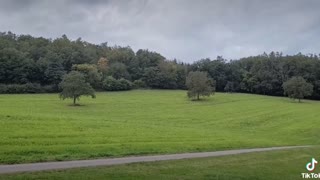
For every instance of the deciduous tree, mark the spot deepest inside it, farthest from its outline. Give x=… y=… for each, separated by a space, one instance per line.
x=199 y=84
x=74 y=86
x=297 y=88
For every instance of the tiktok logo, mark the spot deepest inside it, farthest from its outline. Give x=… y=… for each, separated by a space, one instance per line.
x=311 y=165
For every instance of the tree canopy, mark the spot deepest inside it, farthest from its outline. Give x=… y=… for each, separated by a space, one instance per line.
x=297 y=88
x=36 y=64
x=74 y=86
x=199 y=84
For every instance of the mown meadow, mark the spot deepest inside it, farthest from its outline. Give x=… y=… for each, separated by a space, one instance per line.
x=41 y=127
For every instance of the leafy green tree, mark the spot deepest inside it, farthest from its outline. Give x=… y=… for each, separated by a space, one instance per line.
x=54 y=73
x=13 y=66
x=74 y=86
x=230 y=87
x=103 y=65
x=90 y=72
x=151 y=77
x=148 y=58
x=297 y=88
x=163 y=76
x=143 y=60
x=168 y=74
x=182 y=73
x=216 y=69
x=199 y=84
x=118 y=70
x=120 y=54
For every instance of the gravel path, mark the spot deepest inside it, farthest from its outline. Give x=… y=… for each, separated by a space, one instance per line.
x=125 y=160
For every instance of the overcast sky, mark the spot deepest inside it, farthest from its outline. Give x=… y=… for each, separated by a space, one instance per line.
x=184 y=29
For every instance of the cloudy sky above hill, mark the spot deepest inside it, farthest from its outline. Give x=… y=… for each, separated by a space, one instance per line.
x=184 y=29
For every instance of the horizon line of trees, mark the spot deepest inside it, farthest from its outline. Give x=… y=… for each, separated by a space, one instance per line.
x=35 y=64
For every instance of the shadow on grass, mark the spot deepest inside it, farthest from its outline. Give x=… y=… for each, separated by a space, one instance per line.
x=200 y=100
x=304 y=101
x=204 y=99
x=76 y=105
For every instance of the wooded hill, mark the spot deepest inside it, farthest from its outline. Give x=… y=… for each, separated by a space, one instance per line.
x=36 y=64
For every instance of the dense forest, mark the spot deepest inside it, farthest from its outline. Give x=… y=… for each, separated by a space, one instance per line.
x=36 y=64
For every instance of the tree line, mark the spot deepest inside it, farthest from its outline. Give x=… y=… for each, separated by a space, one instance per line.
x=35 y=64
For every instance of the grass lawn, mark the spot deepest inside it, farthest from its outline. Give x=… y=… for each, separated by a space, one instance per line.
x=41 y=127
x=282 y=165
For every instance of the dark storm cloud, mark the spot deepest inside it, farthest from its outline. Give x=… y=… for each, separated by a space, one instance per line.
x=183 y=29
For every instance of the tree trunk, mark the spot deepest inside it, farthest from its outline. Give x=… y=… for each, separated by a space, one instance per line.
x=198 y=98
x=74 y=100
x=299 y=100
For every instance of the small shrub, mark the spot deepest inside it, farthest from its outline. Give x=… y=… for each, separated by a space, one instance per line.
x=3 y=89
x=124 y=84
x=50 y=88
x=109 y=84
x=16 y=88
x=26 y=88
x=112 y=84
x=33 y=88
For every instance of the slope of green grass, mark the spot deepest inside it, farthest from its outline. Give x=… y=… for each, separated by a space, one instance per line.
x=281 y=165
x=41 y=127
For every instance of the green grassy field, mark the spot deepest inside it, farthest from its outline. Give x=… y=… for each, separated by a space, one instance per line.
x=41 y=127
x=276 y=165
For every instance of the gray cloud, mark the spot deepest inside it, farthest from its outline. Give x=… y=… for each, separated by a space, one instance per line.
x=184 y=29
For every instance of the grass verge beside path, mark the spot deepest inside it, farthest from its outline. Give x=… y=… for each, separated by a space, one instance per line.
x=273 y=165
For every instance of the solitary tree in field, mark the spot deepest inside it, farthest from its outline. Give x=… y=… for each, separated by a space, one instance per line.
x=74 y=85
x=297 y=88
x=199 y=84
